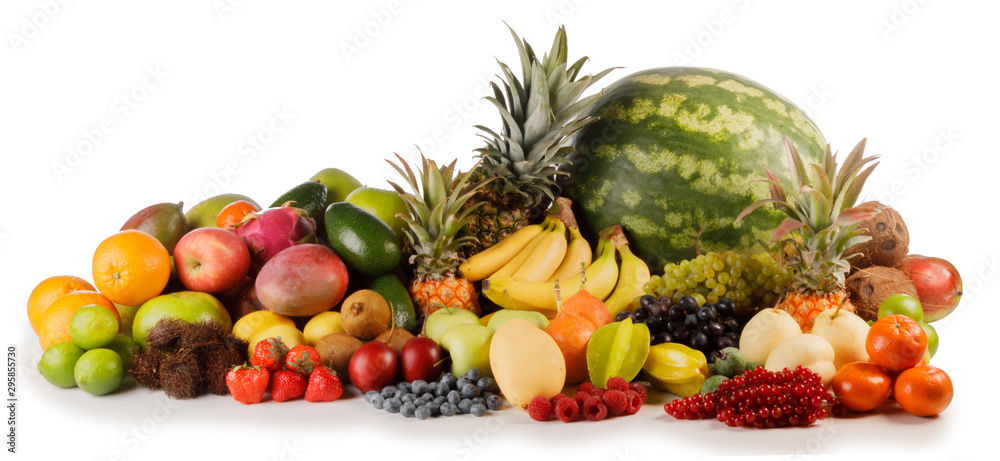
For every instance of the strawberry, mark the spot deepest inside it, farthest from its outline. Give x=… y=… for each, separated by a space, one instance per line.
x=287 y=385
x=324 y=385
x=302 y=359
x=247 y=384
x=270 y=354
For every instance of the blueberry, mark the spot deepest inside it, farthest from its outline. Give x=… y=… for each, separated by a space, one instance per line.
x=461 y=382
x=473 y=374
x=389 y=392
x=441 y=389
x=407 y=409
x=440 y=399
x=448 y=409
x=408 y=398
x=420 y=401
x=449 y=379
x=405 y=387
x=419 y=386
x=435 y=407
x=369 y=395
x=478 y=401
x=423 y=412
x=378 y=401
x=392 y=405
x=493 y=402
x=477 y=409
x=465 y=405
x=427 y=396
x=454 y=397
x=470 y=391
x=487 y=385
x=398 y=393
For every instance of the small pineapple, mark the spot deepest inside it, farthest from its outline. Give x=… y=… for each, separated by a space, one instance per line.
x=538 y=113
x=435 y=217
x=822 y=222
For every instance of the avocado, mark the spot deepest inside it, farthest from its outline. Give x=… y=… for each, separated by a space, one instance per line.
x=398 y=297
x=309 y=196
x=364 y=242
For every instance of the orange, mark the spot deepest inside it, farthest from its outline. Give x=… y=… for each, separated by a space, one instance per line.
x=862 y=386
x=589 y=307
x=131 y=267
x=924 y=390
x=896 y=342
x=233 y=213
x=53 y=327
x=572 y=333
x=50 y=289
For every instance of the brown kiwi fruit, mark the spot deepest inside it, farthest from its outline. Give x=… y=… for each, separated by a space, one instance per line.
x=890 y=239
x=870 y=286
x=395 y=338
x=335 y=351
x=365 y=315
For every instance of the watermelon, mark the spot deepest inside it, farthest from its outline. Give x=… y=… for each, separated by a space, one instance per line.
x=677 y=155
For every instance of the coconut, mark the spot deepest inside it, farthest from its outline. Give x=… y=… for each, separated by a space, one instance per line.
x=889 y=243
x=870 y=286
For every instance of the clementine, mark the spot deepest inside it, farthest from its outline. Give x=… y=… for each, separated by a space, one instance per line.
x=131 y=267
x=862 y=386
x=49 y=290
x=53 y=327
x=233 y=213
x=896 y=342
x=923 y=390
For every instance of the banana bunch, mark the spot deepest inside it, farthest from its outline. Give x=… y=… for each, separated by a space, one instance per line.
x=676 y=368
x=520 y=271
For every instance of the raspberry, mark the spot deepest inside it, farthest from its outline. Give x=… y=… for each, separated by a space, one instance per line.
x=634 y=402
x=540 y=409
x=586 y=387
x=580 y=397
x=556 y=398
x=567 y=409
x=598 y=392
x=616 y=401
x=640 y=389
x=594 y=409
x=617 y=383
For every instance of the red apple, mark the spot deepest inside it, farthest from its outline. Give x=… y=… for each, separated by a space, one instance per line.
x=939 y=287
x=211 y=260
x=372 y=367
x=420 y=358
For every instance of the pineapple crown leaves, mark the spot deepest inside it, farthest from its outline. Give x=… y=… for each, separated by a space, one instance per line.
x=435 y=214
x=538 y=112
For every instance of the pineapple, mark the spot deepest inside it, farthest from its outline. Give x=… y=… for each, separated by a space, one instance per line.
x=822 y=222
x=435 y=204
x=524 y=157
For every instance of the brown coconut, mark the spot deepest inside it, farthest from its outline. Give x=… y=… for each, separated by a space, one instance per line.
x=890 y=239
x=869 y=287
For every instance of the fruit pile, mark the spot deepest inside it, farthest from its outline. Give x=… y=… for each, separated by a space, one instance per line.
x=528 y=278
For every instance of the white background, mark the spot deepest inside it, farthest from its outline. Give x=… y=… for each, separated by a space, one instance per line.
x=918 y=79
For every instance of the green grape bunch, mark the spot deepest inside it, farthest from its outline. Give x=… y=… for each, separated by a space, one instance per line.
x=751 y=281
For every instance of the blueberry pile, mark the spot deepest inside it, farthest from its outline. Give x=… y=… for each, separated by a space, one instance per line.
x=708 y=328
x=470 y=393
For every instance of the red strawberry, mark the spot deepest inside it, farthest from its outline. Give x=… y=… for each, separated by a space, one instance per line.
x=287 y=385
x=247 y=384
x=270 y=354
x=302 y=359
x=324 y=385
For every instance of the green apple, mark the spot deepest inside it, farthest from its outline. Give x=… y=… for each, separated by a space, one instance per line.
x=901 y=304
x=469 y=347
x=443 y=319
x=339 y=184
x=504 y=315
x=932 y=338
x=206 y=212
x=189 y=306
x=385 y=204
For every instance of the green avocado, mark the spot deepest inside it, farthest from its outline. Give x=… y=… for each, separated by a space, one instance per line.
x=364 y=242
x=395 y=293
x=309 y=196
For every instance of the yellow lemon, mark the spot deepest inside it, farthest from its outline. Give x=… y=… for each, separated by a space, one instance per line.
x=289 y=335
x=251 y=324
x=321 y=325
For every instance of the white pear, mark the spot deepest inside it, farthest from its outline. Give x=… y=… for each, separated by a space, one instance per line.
x=811 y=351
x=764 y=331
x=846 y=332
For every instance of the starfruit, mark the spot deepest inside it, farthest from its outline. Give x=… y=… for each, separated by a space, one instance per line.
x=617 y=349
x=676 y=368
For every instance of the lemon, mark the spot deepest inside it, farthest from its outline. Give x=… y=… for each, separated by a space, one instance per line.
x=93 y=327
x=57 y=363
x=321 y=325
x=99 y=371
x=249 y=325
x=289 y=335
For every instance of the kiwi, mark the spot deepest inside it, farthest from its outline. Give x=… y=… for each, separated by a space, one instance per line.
x=365 y=315
x=335 y=351
x=870 y=286
x=395 y=338
x=890 y=239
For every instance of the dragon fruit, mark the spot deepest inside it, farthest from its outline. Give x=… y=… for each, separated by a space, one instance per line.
x=268 y=232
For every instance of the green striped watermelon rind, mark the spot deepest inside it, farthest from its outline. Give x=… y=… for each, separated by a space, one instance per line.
x=677 y=155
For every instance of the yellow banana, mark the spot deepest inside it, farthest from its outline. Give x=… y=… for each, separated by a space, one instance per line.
x=515 y=263
x=632 y=277
x=490 y=260
x=544 y=260
x=577 y=252
x=541 y=297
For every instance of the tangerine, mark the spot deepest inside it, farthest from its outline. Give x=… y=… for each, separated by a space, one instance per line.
x=896 y=342
x=862 y=386
x=588 y=306
x=53 y=327
x=233 y=213
x=131 y=267
x=49 y=290
x=923 y=390
x=572 y=333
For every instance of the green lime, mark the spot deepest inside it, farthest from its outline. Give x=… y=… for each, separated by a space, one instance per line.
x=93 y=326
x=99 y=371
x=339 y=184
x=901 y=304
x=932 y=338
x=125 y=347
x=57 y=363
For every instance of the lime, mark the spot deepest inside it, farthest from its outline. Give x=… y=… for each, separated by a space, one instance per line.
x=57 y=363
x=339 y=184
x=932 y=338
x=99 y=371
x=93 y=326
x=125 y=347
x=385 y=204
x=901 y=304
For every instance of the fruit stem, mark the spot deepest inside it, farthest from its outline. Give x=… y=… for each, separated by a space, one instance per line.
x=558 y=291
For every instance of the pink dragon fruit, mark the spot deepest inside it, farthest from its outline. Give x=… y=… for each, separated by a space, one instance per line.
x=268 y=232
